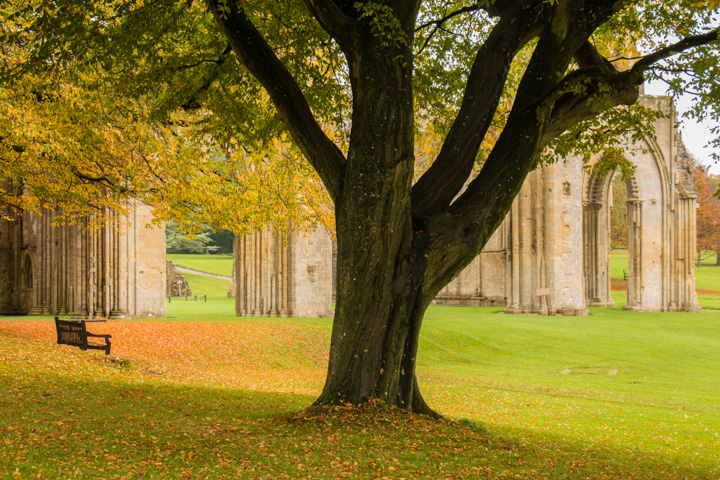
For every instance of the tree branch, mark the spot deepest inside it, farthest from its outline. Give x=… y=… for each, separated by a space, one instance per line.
x=439 y=22
x=470 y=8
x=540 y=113
x=588 y=56
x=102 y=180
x=459 y=232
x=589 y=91
x=585 y=94
x=333 y=20
x=191 y=103
x=292 y=107
x=407 y=12
x=440 y=184
x=649 y=60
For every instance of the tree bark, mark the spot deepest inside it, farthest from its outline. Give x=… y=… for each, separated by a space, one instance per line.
x=381 y=261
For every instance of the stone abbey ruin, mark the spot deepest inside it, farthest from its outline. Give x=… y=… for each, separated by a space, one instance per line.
x=111 y=271
x=550 y=255
x=557 y=237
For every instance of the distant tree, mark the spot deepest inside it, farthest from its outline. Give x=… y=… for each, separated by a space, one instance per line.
x=178 y=242
x=618 y=214
x=708 y=214
x=223 y=240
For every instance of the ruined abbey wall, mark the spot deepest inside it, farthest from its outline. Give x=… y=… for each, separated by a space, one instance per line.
x=116 y=270
x=551 y=254
x=281 y=274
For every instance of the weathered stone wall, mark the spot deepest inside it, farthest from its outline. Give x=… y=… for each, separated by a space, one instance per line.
x=544 y=251
x=283 y=274
x=537 y=246
x=176 y=283
x=150 y=258
x=556 y=236
x=550 y=255
x=482 y=283
x=114 y=270
x=311 y=274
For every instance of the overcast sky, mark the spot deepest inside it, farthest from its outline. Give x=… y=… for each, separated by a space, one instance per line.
x=695 y=135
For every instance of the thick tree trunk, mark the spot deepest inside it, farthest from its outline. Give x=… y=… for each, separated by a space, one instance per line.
x=381 y=262
x=375 y=340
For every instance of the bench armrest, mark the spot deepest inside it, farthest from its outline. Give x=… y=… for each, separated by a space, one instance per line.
x=88 y=334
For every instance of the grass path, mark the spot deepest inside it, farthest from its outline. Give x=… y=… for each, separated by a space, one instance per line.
x=201 y=273
x=217 y=264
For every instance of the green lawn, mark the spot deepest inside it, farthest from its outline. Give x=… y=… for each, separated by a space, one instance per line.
x=620 y=395
x=707 y=277
x=202 y=285
x=215 y=307
x=618 y=263
x=216 y=289
x=710 y=260
x=217 y=264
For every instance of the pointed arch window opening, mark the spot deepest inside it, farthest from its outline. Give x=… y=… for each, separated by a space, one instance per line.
x=28 y=277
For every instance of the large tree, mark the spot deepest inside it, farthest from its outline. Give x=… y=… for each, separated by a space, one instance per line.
x=351 y=83
x=708 y=214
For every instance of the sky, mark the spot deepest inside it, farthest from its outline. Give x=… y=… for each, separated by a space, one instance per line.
x=695 y=135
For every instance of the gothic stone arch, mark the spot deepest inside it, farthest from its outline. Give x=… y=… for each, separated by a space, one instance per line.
x=556 y=236
x=661 y=225
x=596 y=238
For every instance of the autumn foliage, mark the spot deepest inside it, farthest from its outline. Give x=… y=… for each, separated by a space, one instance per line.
x=708 y=212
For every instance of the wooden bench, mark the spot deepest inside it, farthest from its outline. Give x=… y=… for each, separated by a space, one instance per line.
x=74 y=332
x=625 y=275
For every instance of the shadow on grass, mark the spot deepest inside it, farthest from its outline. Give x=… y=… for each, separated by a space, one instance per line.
x=78 y=415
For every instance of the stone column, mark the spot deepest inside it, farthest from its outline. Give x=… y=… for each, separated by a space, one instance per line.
x=635 y=270
x=685 y=278
x=285 y=310
x=590 y=225
x=11 y=262
x=513 y=280
x=63 y=271
x=546 y=242
x=38 y=225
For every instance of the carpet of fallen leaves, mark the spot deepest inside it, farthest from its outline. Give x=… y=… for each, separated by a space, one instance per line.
x=225 y=400
x=243 y=354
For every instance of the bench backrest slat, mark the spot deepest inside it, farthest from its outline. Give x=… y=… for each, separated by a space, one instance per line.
x=71 y=333
x=74 y=332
